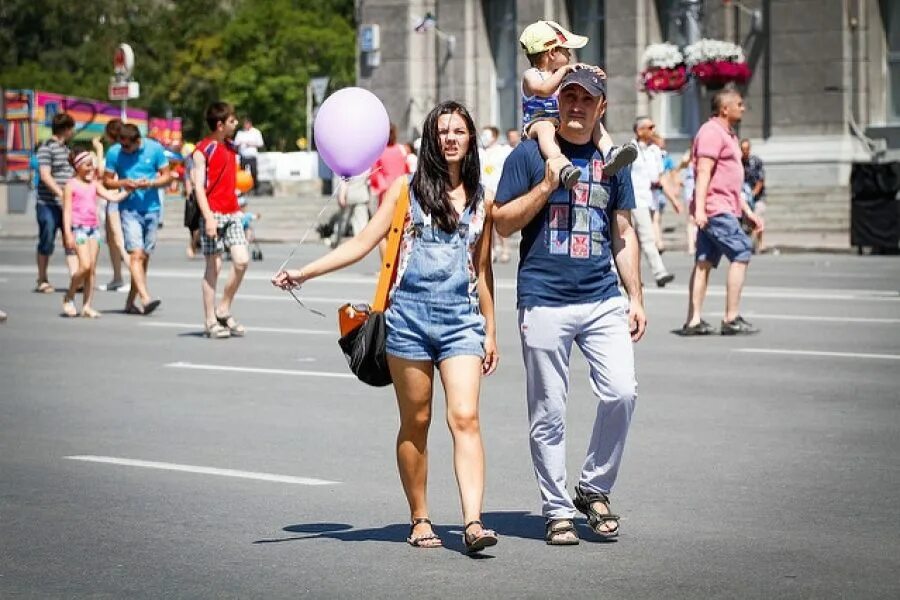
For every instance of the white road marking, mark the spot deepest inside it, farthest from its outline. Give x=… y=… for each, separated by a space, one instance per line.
x=201 y=367
x=772 y=292
x=765 y=317
x=194 y=326
x=789 y=293
x=148 y=464
x=818 y=353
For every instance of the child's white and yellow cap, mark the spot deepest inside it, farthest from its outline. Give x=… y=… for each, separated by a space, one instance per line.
x=544 y=35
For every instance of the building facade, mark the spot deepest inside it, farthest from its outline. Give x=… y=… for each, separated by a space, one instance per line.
x=825 y=89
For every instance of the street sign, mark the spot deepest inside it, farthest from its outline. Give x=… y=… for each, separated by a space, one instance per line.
x=127 y=90
x=369 y=38
x=319 y=86
x=123 y=61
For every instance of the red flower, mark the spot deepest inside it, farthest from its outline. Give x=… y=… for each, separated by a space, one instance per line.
x=657 y=79
x=719 y=72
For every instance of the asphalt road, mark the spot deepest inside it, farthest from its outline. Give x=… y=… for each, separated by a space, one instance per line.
x=757 y=467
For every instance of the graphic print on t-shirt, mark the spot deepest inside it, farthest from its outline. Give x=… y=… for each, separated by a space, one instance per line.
x=577 y=219
x=580 y=247
x=596 y=243
x=559 y=241
x=580 y=220
x=582 y=164
x=581 y=192
x=599 y=197
x=559 y=217
x=597 y=219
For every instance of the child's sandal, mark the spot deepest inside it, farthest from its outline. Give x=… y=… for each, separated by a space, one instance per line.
x=68 y=309
x=569 y=176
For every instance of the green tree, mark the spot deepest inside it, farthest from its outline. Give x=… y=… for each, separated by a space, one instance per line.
x=275 y=47
x=258 y=54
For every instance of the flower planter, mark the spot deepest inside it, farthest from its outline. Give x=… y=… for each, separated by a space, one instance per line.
x=716 y=74
x=663 y=79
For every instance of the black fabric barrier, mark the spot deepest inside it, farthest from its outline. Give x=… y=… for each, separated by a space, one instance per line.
x=874 y=206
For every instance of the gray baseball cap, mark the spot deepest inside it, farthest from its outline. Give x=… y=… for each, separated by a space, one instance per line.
x=587 y=79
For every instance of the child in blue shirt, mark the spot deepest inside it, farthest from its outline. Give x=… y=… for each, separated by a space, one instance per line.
x=547 y=45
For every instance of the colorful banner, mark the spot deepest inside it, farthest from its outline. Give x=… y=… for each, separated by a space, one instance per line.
x=18 y=130
x=29 y=115
x=165 y=131
x=90 y=116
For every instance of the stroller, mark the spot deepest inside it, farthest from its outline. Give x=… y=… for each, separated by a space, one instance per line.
x=249 y=232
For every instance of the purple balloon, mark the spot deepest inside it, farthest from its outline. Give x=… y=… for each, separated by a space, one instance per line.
x=351 y=130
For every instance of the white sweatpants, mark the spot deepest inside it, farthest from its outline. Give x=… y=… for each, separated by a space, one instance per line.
x=601 y=331
x=643 y=226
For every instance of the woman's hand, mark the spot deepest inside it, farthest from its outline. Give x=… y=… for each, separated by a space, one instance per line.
x=69 y=241
x=491 y=357
x=288 y=280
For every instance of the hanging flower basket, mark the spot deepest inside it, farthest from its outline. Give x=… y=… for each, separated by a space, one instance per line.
x=664 y=80
x=664 y=69
x=716 y=74
x=716 y=63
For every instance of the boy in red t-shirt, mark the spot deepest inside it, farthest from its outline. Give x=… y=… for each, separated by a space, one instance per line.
x=221 y=227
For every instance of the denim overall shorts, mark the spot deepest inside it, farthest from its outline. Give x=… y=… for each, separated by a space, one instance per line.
x=432 y=315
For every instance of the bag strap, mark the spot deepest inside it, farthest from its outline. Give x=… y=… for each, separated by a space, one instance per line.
x=212 y=150
x=389 y=267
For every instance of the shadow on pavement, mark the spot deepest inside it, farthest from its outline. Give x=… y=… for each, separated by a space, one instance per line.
x=518 y=524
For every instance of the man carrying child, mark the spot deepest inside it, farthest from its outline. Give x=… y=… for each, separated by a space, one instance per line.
x=547 y=45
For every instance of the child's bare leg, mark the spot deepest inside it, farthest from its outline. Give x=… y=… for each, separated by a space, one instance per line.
x=614 y=158
x=601 y=138
x=90 y=277
x=545 y=134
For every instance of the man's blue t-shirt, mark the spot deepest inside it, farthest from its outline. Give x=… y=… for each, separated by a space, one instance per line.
x=144 y=163
x=565 y=256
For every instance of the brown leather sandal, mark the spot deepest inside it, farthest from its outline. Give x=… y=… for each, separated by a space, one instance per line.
x=476 y=542
x=428 y=540
x=234 y=328
x=558 y=533
x=584 y=502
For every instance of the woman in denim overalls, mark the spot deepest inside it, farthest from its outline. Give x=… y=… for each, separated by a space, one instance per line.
x=441 y=312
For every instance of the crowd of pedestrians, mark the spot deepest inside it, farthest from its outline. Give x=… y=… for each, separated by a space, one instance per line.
x=130 y=175
x=585 y=208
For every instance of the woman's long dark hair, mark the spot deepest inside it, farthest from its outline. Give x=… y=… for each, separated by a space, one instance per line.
x=432 y=176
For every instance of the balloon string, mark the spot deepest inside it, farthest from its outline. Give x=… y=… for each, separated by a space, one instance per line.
x=343 y=182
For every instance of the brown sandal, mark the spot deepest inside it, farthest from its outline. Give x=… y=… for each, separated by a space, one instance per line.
x=216 y=331
x=234 y=328
x=584 y=502
x=477 y=542
x=557 y=533
x=428 y=540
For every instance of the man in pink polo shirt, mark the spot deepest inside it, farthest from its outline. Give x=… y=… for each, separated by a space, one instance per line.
x=717 y=207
